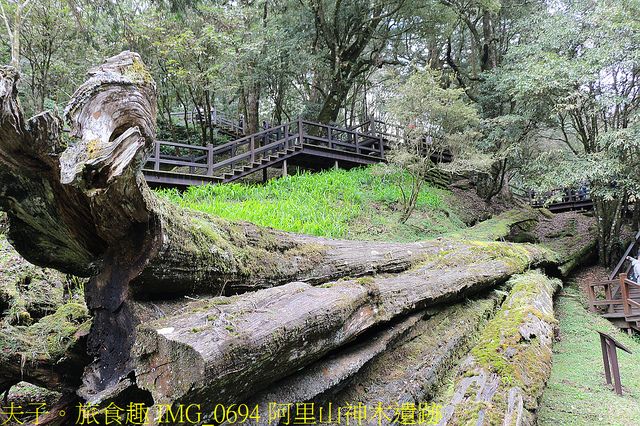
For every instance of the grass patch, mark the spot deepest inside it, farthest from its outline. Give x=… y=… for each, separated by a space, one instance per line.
x=356 y=204
x=577 y=393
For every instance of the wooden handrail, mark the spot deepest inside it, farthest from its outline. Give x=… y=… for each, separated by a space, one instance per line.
x=633 y=244
x=252 y=147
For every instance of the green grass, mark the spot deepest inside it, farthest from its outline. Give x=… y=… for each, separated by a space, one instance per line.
x=358 y=204
x=577 y=393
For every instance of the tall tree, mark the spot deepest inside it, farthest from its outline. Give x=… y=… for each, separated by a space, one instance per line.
x=351 y=37
x=14 y=15
x=577 y=72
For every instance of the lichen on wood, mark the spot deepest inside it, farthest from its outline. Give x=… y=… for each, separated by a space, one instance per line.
x=503 y=378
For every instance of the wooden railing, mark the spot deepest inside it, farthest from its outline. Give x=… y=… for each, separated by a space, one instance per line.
x=210 y=161
x=554 y=197
x=632 y=250
x=609 y=289
x=216 y=118
x=617 y=294
x=627 y=301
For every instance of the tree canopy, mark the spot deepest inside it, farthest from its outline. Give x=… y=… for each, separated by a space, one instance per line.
x=554 y=83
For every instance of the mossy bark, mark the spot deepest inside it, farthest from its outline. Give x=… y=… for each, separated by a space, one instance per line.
x=224 y=349
x=49 y=353
x=86 y=209
x=502 y=380
x=499 y=227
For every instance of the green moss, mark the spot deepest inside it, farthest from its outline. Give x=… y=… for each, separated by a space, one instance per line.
x=546 y=213
x=498 y=227
x=137 y=72
x=51 y=336
x=525 y=237
x=501 y=348
x=515 y=256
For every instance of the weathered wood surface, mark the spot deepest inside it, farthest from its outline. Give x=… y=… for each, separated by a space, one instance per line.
x=406 y=374
x=224 y=352
x=86 y=209
x=502 y=380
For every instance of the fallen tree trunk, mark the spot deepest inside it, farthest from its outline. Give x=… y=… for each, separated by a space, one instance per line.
x=87 y=210
x=229 y=349
x=502 y=380
x=406 y=373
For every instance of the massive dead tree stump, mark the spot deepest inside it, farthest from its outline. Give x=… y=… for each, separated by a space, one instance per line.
x=86 y=209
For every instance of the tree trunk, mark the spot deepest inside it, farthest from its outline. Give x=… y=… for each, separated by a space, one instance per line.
x=87 y=210
x=503 y=380
x=609 y=214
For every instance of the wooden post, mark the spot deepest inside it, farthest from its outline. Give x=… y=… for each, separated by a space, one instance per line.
x=381 y=142
x=284 y=168
x=610 y=359
x=335 y=165
x=286 y=136
x=192 y=159
x=209 y=160
x=330 y=135
x=264 y=175
x=156 y=155
x=625 y=294
x=252 y=148
x=592 y=296
x=357 y=144
x=300 y=131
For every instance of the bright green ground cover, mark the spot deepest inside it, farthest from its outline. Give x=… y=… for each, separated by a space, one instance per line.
x=577 y=393
x=358 y=204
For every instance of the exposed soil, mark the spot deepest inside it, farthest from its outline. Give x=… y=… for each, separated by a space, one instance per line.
x=473 y=209
x=586 y=274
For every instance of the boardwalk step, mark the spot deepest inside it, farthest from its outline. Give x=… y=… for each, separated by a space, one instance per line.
x=614 y=315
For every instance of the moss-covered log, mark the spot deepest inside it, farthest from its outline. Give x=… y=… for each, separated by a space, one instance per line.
x=50 y=353
x=222 y=350
x=86 y=209
x=502 y=380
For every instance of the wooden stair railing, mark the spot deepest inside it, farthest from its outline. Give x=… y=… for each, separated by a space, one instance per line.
x=230 y=127
x=623 y=306
x=633 y=245
x=216 y=161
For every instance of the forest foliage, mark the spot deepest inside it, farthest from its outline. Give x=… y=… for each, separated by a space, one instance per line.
x=553 y=83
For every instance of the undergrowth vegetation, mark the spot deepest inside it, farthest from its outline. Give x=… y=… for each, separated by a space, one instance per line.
x=360 y=204
x=577 y=393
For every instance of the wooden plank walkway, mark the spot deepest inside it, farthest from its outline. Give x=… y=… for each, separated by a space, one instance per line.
x=617 y=300
x=571 y=199
x=298 y=143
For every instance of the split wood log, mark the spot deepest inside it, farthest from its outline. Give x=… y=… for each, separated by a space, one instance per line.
x=223 y=350
x=502 y=380
x=86 y=209
x=406 y=373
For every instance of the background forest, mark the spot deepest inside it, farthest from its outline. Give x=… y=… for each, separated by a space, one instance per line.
x=553 y=84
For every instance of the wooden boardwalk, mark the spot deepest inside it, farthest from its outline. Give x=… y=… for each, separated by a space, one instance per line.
x=298 y=143
x=567 y=199
x=224 y=125
x=618 y=298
